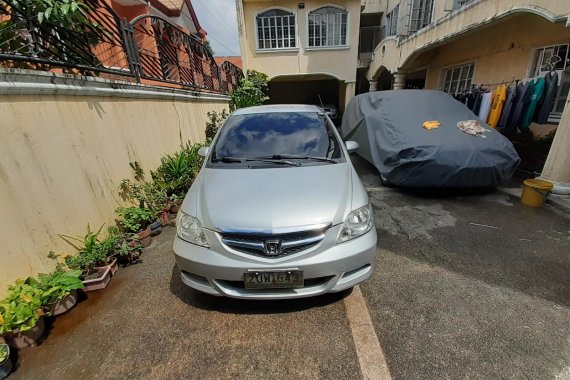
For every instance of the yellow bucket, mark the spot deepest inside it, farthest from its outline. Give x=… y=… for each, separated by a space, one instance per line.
x=535 y=191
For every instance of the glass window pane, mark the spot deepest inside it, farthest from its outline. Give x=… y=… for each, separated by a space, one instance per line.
x=269 y=134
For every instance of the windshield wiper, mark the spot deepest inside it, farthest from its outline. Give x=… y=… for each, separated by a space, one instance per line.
x=257 y=159
x=299 y=157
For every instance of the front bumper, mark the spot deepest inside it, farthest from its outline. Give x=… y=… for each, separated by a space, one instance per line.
x=327 y=267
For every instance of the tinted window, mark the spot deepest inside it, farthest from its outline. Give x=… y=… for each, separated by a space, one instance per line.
x=277 y=133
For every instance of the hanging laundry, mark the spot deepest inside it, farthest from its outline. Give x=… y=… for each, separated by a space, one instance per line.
x=511 y=99
x=472 y=127
x=499 y=97
x=537 y=91
x=547 y=104
x=431 y=124
x=523 y=97
x=477 y=102
x=485 y=106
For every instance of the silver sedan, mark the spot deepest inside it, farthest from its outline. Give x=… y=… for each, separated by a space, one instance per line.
x=277 y=210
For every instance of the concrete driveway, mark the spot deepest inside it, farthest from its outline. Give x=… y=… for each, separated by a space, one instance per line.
x=466 y=286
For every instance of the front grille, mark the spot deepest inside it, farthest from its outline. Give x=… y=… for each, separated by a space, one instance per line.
x=290 y=243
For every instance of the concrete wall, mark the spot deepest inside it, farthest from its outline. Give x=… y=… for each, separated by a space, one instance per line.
x=339 y=62
x=496 y=59
x=65 y=150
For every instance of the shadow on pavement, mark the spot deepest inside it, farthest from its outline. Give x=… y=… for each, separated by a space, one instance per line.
x=238 y=306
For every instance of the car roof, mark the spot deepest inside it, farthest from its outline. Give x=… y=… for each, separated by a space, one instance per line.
x=278 y=108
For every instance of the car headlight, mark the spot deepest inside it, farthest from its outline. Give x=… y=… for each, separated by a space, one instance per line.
x=358 y=222
x=190 y=229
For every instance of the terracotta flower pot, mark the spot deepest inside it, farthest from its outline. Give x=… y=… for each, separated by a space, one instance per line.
x=63 y=306
x=29 y=338
x=175 y=207
x=164 y=217
x=98 y=283
x=112 y=265
x=145 y=237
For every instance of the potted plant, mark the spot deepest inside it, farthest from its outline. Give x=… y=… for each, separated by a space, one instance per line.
x=5 y=362
x=147 y=195
x=136 y=220
x=175 y=202
x=21 y=314
x=93 y=277
x=59 y=290
x=127 y=246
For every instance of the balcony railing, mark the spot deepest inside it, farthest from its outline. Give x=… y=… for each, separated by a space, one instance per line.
x=97 y=42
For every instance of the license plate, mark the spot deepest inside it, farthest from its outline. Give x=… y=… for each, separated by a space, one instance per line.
x=273 y=280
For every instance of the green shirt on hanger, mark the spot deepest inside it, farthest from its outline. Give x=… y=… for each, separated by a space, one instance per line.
x=536 y=93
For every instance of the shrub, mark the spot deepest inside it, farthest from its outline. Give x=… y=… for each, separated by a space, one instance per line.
x=4 y=352
x=250 y=91
x=58 y=284
x=91 y=251
x=134 y=219
x=149 y=195
x=177 y=172
x=215 y=119
x=22 y=308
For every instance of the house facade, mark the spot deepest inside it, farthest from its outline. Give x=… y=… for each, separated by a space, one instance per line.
x=308 y=49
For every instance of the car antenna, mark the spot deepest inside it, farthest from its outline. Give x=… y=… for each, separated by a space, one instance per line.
x=321 y=101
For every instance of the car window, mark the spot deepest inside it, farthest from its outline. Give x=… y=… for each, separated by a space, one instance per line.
x=277 y=133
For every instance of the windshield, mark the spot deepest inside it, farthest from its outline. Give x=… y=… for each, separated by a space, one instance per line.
x=277 y=134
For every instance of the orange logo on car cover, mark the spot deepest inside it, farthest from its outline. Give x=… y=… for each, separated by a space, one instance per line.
x=431 y=124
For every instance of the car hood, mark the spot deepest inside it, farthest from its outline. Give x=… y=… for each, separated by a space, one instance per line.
x=272 y=198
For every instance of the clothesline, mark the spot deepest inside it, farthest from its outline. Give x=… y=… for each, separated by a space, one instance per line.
x=513 y=107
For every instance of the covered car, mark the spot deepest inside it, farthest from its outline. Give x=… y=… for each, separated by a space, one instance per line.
x=413 y=138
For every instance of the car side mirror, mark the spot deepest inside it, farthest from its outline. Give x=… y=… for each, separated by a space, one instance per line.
x=351 y=146
x=203 y=151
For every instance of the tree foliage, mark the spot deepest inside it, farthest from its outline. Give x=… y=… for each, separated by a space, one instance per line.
x=251 y=91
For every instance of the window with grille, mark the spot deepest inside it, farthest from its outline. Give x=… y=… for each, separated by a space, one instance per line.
x=549 y=57
x=328 y=27
x=392 y=21
x=421 y=14
x=276 y=29
x=458 y=78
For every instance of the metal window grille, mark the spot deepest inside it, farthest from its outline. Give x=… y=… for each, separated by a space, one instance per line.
x=328 y=27
x=276 y=30
x=421 y=14
x=458 y=79
x=392 y=21
x=461 y=3
x=543 y=57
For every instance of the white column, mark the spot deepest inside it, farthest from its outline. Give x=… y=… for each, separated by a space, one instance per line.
x=557 y=167
x=373 y=85
x=350 y=90
x=399 y=81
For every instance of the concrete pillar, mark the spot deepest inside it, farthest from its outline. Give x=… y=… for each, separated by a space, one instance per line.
x=557 y=167
x=349 y=92
x=373 y=85
x=399 y=81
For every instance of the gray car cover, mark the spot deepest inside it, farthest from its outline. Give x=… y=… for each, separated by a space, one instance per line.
x=388 y=125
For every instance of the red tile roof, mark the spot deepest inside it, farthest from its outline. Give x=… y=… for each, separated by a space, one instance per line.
x=236 y=60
